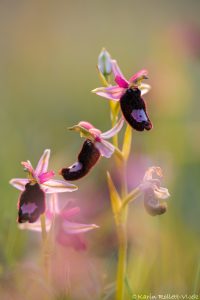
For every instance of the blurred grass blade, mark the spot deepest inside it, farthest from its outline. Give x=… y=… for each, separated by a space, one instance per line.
x=114 y=197
x=127 y=142
x=109 y=291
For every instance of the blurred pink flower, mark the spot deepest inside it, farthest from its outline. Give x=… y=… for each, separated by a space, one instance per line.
x=60 y=221
x=32 y=199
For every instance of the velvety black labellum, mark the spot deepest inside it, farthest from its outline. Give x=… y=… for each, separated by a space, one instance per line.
x=31 y=203
x=134 y=110
x=87 y=158
x=152 y=205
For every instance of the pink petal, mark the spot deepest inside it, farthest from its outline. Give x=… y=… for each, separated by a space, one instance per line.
x=121 y=82
x=69 y=240
x=46 y=176
x=139 y=75
x=71 y=212
x=96 y=133
x=58 y=186
x=117 y=71
x=111 y=92
x=42 y=165
x=76 y=228
x=85 y=125
x=105 y=148
x=110 y=133
x=19 y=183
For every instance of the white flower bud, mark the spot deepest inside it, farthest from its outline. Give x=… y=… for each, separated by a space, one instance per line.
x=105 y=62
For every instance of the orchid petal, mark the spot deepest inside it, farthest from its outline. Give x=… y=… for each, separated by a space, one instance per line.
x=28 y=166
x=149 y=173
x=117 y=71
x=43 y=177
x=76 y=228
x=161 y=193
x=85 y=125
x=113 y=131
x=71 y=212
x=111 y=92
x=105 y=148
x=19 y=183
x=42 y=165
x=58 y=186
x=144 y=88
x=142 y=74
x=121 y=82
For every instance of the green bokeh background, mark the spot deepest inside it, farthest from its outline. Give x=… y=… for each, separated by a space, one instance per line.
x=48 y=53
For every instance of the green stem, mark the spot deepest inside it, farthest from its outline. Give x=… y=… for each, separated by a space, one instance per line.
x=131 y=196
x=122 y=240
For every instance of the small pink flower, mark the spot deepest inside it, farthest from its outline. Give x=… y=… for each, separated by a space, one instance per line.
x=128 y=93
x=95 y=146
x=67 y=232
x=32 y=199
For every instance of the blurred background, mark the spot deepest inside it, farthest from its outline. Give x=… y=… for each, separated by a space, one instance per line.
x=48 y=57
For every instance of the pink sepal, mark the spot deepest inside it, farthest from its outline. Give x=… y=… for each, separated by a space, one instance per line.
x=85 y=125
x=112 y=92
x=113 y=131
x=42 y=165
x=19 y=183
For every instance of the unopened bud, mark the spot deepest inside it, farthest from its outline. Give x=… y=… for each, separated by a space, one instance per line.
x=105 y=62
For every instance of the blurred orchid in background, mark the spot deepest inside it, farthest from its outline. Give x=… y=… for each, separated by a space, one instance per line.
x=32 y=199
x=94 y=147
x=154 y=195
x=60 y=222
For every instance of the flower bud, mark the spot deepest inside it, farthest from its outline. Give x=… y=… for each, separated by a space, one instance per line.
x=105 y=62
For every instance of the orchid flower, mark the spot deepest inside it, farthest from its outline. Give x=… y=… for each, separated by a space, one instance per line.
x=95 y=146
x=154 y=195
x=67 y=232
x=39 y=182
x=128 y=93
